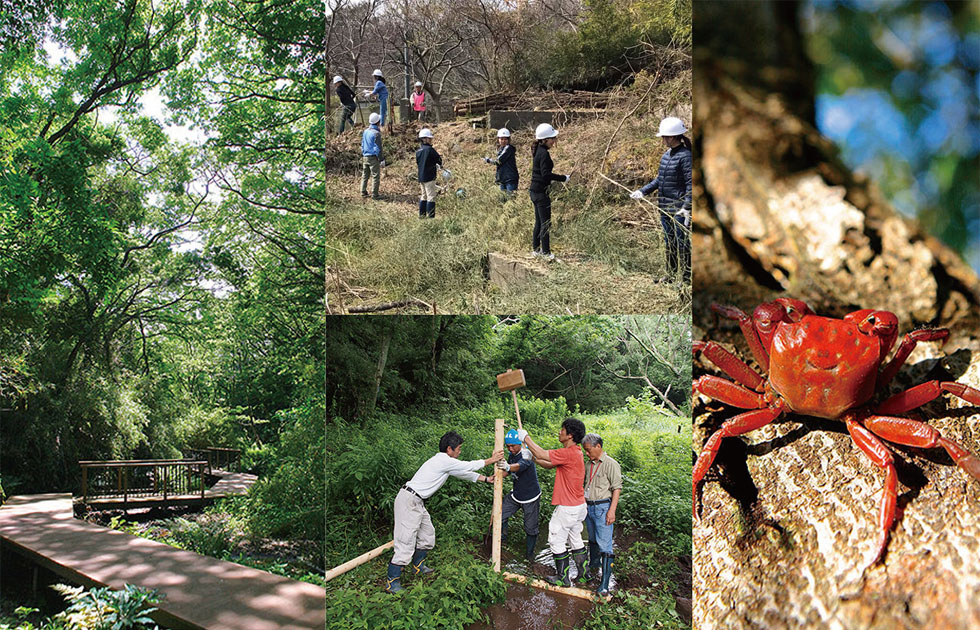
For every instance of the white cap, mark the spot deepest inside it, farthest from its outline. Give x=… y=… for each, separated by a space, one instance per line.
x=374 y=119
x=545 y=131
x=425 y=133
x=377 y=73
x=503 y=133
x=338 y=79
x=671 y=126
x=418 y=84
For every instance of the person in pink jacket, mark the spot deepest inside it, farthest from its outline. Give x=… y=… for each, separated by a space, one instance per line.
x=418 y=101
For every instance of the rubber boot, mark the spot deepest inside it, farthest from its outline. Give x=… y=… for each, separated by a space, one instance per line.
x=432 y=209
x=561 y=570
x=529 y=547
x=607 y=567
x=394 y=578
x=421 y=209
x=579 y=556
x=595 y=560
x=418 y=568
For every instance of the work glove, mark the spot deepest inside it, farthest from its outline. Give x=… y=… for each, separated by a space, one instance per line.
x=636 y=194
x=383 y=163
x=567 y=177
x=684 y=216
x=521 y=434
x=367 y=93
x=502 y=465
x=486 y=160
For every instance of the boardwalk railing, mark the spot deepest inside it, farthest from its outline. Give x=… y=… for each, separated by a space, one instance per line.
x=142 y=478
x=218 y=457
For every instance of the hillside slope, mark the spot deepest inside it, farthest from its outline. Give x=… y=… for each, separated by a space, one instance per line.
x=610 y=247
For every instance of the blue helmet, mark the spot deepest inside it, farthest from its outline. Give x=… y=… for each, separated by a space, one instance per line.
x=511 y=437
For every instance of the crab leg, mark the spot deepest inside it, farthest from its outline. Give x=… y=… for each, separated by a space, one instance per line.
x=910 y=432
x=748 y=331
x=921 y=394
x=728 y=392
x=908 y=344
x=742 y=423
x=729 y=364
x=879 y=454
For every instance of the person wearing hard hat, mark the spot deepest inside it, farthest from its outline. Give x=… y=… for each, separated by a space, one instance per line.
x=373 y=156
x=506 y=162
x=527 y=493
x=414 y=534
x=348 y=104
x=381 y=91
x=427 y=159
x=674 y=184
x=418 y=101
x=545 y=137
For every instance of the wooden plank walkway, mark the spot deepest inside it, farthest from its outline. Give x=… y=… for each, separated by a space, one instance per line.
x=201 y=592
x=229 y=484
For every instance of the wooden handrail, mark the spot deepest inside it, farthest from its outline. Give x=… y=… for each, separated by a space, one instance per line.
x=127 y=483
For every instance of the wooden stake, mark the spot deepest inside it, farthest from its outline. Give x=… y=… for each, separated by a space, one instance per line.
x=498 y=500
x=358 y=561
x=572 y=591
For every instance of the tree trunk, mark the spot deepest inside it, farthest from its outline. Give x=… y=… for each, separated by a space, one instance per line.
x=789 y=511
x=382 y=359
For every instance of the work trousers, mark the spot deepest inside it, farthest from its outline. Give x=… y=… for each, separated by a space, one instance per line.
x=565 y=528
x=531 y=509
x=346 y=118
x=677 y=241
x=413 y=527
x=371 y=166
x=541 y=237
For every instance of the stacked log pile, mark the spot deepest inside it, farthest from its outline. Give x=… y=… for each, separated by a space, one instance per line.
x=575 y=99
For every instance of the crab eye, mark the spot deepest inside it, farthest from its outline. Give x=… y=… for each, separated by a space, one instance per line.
x=871 y=320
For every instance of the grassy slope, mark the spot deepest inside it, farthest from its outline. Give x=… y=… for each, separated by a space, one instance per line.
x=612 y=248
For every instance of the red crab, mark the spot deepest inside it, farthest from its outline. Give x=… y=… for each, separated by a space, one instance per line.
x=828 y=368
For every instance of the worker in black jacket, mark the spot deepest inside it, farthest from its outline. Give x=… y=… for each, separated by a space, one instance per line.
x=348 y=104
x=506 y=162
x=545 y=137
x=427 y=159
x=674 y=185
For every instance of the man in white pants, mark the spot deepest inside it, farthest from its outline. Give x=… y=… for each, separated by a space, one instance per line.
x=414 y=533
x=568 y=497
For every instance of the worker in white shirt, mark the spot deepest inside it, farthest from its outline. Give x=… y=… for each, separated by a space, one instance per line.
x=414 y=533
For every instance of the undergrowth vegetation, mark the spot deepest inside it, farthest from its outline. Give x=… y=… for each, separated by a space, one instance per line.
x=611 y=247
x=369 y=461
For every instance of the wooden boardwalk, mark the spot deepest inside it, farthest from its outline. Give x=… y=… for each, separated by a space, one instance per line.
x=201 y=592
x=229 y=484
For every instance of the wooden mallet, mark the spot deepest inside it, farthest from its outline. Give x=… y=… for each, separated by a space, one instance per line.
x=509 y=381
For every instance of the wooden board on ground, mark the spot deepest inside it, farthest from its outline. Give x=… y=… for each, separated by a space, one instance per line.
x=200 y=592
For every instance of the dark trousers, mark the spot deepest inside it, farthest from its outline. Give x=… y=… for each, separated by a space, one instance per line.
x=541 y=238
x=346 y=117
x=678 y=244
x=531 y=511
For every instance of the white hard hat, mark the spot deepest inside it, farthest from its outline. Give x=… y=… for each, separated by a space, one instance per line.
x=425 y=133
x=338 y=79
x=374 y=119
x=418 y=84
x=503 y=133
x=378 y=73
x=544 y=131
x=671 y=126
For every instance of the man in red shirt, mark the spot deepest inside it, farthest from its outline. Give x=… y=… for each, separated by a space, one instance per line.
x=568 y=497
